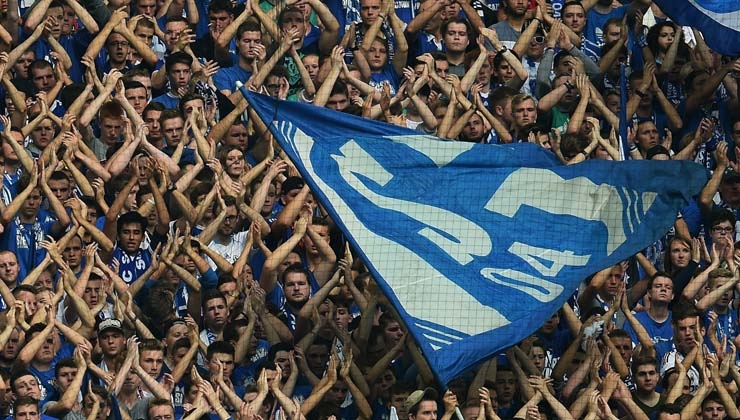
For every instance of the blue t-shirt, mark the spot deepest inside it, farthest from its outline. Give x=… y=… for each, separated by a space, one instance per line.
x=661 y=333
x=225 y=79
x=594 y=30
x=132 y=266
x=23 y=240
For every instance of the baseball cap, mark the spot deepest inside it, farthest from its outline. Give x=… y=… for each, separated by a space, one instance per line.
x=428 y=394
x=109 y=324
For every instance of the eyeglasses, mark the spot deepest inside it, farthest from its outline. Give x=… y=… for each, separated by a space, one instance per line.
x=539 y=39
x=719 y=229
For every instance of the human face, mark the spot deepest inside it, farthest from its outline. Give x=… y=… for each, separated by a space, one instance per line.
x=88 y=404
x=646 y=378
x=536 y=47
x=27 y=386
x=118 y=49
x=161 y=412
x=612 y=33
x=613 y=282
x=147 y=82
x=218 y=21
x=311 y=63
x=172 y=129
x=175 y=333
x=624 y=347
x=517 y=8
x=323 y=233
x=269 y=200
x=297 y=289
x=474 y=129
x=292 y=258
x=442 y=67
x=342 y=317
x=337 y=393
x=226 y=360
x=27 y=412
x=662 y=290
x=179 y=75
x=684 y=332
x=317 y=356
x=72 y=253
x=68 y=20
x=722 y=233
x=647 y=135
x=231 y=220
x=9 y=268
x=216 y=313
x=680 y=253
x=392 y=334
x=238 y=136
x=110 y=130
x=247 y=45
x=575 y=18
x=427 y=411
x=524 y=113
x=338 y=102
x=43 y=134
x=377 y=56
x=93 y=293
x=613 y=103
x=10 y=351
x=456 y=38
x=147 y=7
x=369 y=11
x=130 y=237
x=505 y=385
x=58 y=14
x=151 y=119
x=504 y=72
x=111 y=342
x=32 y=204
x=172 y=33
x=537 y=354
x=21 y=66
x=712 y=410
x=64 y=377
x=60 y=188
x=665 y=37
x=151 y=361
x=724 y=300
x=282 y=359
x=294 y=20
x=138 y=99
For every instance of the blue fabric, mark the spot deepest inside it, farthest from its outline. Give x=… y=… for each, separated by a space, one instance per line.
x=718 y=21
x=512 y=223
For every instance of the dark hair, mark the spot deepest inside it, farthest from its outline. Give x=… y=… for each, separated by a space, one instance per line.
x=70 y=93
x=22 y=401
x=250 y=25
x=654 y=33
x=211 y=294
x=67 y=362
x=179 y=57
x=221 y=6
x=456 y=19
x=19 y=373
x=294 y=268
x=223 y=347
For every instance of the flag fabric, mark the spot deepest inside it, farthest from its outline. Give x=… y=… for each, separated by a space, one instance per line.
x=475 y=245
x=718 y=21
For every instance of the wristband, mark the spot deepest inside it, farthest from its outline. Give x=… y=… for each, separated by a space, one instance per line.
x=633 y=148
x=642 y=41
x=640 y=93
x=503 y=49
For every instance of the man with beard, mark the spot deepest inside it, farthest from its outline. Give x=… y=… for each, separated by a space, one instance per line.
x=510 y=30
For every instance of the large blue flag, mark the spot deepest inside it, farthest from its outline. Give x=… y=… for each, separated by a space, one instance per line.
x=718 y=21
x=475 y=245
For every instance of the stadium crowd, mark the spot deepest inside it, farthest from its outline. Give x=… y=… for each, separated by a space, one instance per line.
x=161 y=258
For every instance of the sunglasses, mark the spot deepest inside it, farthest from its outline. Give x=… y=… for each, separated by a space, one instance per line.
x=539 y=39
